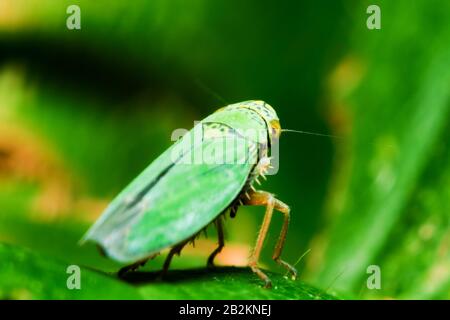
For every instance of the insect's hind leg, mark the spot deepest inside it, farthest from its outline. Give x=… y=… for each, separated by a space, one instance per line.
x=262 y=198
x=219 y=248
x=285 y=210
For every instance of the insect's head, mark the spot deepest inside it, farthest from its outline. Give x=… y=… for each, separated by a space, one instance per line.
x=268 y=114
x=262 y=110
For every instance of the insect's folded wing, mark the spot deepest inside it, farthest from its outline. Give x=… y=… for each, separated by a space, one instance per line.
x=181 y=199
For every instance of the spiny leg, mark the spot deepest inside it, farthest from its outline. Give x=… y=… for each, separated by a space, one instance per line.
x=174 y=250
x=133 y=266
x=285 y=210
x=219 y=227
x=262 y=198
x=258 y=199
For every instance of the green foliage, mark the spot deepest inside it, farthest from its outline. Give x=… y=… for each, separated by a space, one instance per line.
x=83 y=112
x=27 y=275
x=398 y=163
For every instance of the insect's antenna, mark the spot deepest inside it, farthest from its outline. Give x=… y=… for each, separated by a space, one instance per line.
x=341 y=138
x=211 y=92
x=313 y=133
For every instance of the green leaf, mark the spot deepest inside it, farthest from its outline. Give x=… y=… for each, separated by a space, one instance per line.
x=223 y=283
x=28 y=275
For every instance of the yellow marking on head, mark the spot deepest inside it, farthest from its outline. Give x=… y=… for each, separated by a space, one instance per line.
x=275 y=125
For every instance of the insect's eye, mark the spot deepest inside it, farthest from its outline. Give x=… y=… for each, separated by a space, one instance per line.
x=276 y=128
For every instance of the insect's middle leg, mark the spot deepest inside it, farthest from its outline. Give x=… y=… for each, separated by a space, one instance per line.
x=262 y=198
x=219 y=227
x=175 y=250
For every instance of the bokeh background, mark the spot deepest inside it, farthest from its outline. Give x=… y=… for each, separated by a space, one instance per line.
x=82 y=112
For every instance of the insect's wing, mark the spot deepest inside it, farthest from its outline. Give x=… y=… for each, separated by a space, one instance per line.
x=170 y=203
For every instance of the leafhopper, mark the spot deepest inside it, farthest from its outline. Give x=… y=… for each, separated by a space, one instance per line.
x=211 y=171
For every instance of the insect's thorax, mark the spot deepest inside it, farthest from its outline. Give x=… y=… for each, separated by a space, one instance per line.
x=241 y=122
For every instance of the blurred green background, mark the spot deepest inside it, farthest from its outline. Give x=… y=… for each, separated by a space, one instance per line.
x=82 y=112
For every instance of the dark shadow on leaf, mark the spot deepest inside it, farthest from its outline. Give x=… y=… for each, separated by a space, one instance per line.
x=174 y=276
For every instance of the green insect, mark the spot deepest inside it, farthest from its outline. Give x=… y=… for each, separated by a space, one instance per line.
x=207 y=173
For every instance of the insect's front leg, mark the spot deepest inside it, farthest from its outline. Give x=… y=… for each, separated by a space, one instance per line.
x=262 y=198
